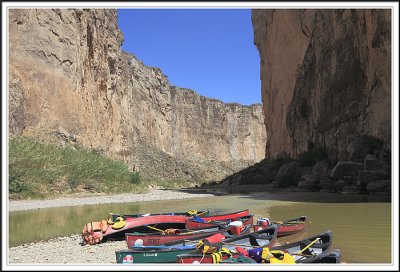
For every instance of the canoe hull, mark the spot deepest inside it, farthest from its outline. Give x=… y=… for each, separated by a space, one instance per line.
x=114 y=216
x=141 y=239
x=98 y=232
x=288 y=227
x=190 y=224
x=149 y=239
x=132 y=225
x=157 y=256
x=222 y=217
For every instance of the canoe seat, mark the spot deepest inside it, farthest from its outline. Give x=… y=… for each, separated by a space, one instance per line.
x=254 y=236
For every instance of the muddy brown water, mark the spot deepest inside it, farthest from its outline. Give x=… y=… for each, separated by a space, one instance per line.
x=361 y=224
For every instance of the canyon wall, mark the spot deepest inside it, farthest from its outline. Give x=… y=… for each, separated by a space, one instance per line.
x=326 y=78
x=69 y=76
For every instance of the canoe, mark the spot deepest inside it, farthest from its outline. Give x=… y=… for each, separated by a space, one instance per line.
x=203 y=222
x=162 y=237
x=320 y=248
x=264 y=238
x=165 y=253
x=311 y=250
x=152 y=255
x=98 y=232
x=332 y=257
x=196 y=222
x=159 y=238
x=113 y=216
x=284 y=228
x=111 y=230
x=316 y=251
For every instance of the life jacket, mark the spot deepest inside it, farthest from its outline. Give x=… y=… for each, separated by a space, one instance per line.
x=217 y=256
x=192 y=212
x=265 y=255
x=210 y=244
x=119 y=223
x=171 y=231
x=92 y=233
x=242 y=251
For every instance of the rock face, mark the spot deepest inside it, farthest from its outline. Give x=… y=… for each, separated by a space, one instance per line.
x=326 y=78
x=67 y=70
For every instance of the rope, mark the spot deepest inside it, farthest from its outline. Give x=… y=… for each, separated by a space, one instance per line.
x=202 y=257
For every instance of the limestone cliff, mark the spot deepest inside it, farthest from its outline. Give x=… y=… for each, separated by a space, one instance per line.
x=67 y=72
x=326 y=78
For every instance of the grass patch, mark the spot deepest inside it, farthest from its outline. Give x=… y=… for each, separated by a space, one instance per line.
x=38 y=170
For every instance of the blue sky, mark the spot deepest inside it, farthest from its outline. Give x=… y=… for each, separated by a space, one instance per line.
x=210 y=51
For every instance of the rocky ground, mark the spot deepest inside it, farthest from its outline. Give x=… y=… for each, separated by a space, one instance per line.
x=65 y=250
x=70 y=250
x=155 y=194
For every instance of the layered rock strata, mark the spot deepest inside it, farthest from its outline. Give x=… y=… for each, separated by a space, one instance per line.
x=326 y=78
x=67 y=73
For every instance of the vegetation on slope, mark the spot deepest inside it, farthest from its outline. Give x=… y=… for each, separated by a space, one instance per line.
x=40 y=170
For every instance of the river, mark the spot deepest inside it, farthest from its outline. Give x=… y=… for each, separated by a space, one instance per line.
x=361 y=224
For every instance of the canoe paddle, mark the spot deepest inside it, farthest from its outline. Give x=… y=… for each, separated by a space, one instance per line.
x=155 y=228
x=313 y=242
x=295 y=223
x=190 y=232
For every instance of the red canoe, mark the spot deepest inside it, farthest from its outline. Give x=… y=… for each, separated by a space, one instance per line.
x=97 y=232
x=227 y=215
x=159 y=238
x=284 y=228
x=196 y=222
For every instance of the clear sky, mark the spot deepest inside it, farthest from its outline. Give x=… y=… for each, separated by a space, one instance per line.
x=210 y=51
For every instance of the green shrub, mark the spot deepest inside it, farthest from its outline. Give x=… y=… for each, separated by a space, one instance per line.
x=135 y=177
x=16 y=186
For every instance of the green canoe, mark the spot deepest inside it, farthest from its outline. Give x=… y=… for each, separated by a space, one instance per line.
x=153 y=254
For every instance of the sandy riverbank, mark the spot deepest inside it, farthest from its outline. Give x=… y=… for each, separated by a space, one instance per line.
x=69 y=250
x=155 y=194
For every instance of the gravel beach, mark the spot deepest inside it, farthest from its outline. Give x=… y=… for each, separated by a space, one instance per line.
x=69 y=250
x=155 y=194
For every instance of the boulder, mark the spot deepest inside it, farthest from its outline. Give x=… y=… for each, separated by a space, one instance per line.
x=310 y=182
x=319 y=170
x=346 y=168
x=363 y=145
x=288 y=175
x=372 y=163
x=379 y=186
x=340 y=184
x=365 y=177
x=352 y=189
x=63 y=133
x=328 y=185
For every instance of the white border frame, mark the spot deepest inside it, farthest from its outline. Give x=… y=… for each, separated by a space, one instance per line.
x=217 y=5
